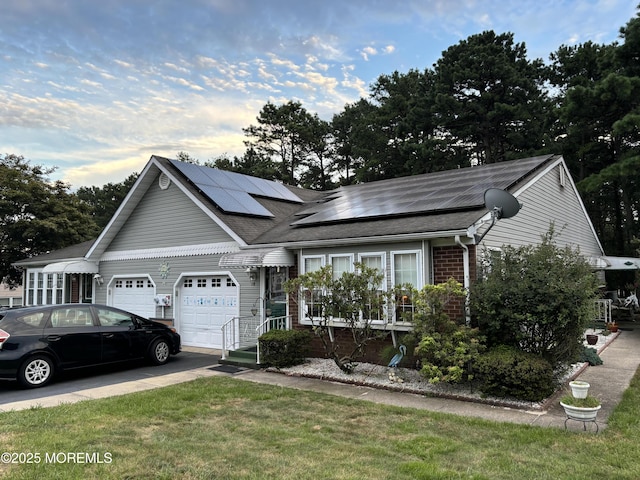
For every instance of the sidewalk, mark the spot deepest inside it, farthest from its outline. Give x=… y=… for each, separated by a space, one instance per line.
x=608 y=382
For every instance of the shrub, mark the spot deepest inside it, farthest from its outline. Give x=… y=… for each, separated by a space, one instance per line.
x=284 y=348
x=505 y=371
x=538 y=298
x=590 y=355
x=352 y=300
x=445 y=348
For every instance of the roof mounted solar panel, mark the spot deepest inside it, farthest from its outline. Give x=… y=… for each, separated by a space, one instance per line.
x=450 y=190
x=232 y=192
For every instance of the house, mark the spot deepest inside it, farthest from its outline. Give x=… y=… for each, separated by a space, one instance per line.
x=209 y=250
x=10 y=297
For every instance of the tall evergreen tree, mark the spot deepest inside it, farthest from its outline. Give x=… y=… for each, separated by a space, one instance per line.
x=489 y=100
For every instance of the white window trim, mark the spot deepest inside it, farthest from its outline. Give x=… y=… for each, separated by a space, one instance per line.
x=419 y=268
x=420 y=279
x=383 y=255
x=302 y=306
x=323 y=261
x=385 y=283
x=40 y=278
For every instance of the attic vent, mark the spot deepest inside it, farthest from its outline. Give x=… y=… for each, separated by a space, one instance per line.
x=164 y=181
x=562 y=178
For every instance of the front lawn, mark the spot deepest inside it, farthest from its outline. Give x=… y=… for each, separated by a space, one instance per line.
x=226 y=428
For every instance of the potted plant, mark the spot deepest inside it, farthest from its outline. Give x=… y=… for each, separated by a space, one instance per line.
x=579 y=389
x=582 y=409
x=612 y=327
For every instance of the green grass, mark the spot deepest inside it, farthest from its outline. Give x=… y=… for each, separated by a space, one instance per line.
x=226 y=428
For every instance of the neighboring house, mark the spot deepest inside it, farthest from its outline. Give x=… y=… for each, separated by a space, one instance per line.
x=10 y=297
x=206 y=248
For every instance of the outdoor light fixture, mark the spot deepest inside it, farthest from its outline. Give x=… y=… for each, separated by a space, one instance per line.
x=253 y=275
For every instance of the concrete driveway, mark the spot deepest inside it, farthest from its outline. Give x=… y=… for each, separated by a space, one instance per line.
x=105 y=378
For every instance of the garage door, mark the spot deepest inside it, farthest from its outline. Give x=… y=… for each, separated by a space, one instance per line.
x=207 y=303
x=135 y=295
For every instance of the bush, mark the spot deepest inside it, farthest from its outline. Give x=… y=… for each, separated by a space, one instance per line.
x=505 y=371
x=590 y=355
x=537 y=298
x=284 y=348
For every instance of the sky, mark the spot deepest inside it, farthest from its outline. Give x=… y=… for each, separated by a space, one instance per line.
x=94 y=88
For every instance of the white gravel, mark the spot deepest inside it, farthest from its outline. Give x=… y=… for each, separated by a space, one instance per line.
x=409 y=380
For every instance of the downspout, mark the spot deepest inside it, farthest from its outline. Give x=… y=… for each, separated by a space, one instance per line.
x=467 y=280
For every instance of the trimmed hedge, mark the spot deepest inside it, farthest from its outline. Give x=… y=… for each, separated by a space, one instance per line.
x=284 y=348
x=508 y=372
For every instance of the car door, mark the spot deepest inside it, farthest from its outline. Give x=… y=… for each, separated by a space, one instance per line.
x=72 y=335
x=121 y=339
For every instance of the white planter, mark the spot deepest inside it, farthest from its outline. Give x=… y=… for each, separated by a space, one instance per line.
x=579 y=389
x=581 y=413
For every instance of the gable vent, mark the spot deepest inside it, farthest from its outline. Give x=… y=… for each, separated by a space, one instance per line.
x=164 y=181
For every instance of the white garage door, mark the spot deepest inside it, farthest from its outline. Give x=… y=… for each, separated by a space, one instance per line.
x=206 y=304
x=135 y=295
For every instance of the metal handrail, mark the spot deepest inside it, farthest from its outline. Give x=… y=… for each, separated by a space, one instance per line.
x=239 y=332
x=271 y=323
x=225 y=333
x=603 y=310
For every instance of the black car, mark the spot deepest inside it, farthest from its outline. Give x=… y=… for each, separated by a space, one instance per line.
x=37 y=342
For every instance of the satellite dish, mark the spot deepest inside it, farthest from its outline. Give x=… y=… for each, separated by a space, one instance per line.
x=501 y=203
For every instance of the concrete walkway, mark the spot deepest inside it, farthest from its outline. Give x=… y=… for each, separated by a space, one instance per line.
x=621 y=358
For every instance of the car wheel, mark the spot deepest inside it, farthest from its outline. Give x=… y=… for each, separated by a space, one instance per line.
x=37 y=371
x=160 y=351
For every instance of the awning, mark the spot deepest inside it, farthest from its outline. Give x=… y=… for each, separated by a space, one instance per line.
x=258 y=257
x=606 y=262
x=73 y=266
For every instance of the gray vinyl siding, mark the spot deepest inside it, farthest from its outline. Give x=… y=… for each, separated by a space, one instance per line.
x=167 y=218
x=543 y=202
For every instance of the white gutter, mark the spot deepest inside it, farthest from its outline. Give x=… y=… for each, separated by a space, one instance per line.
x=360 y=240
x=467 y=278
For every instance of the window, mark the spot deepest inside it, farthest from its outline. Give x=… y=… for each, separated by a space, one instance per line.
x=59 y=288
x=112 y=318
x=71 y=317
x=202 y=283
x=405 y=268
x=405 y=271
x=32 y=319
x=311 y=306
x=341 y=264
x=188 y=283
x=489 y=258
x=49 y=280
x=311 y=264
x=375 y=261
x=40 y=282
